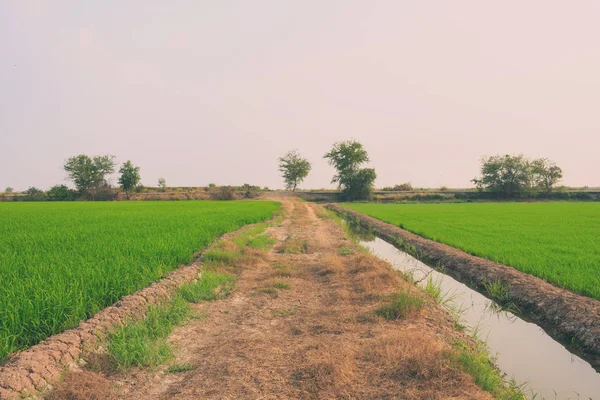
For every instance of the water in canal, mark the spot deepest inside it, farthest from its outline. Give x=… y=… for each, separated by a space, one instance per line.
x=523 y=350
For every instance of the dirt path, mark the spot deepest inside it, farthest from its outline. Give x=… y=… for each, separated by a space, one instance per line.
x=316 y=340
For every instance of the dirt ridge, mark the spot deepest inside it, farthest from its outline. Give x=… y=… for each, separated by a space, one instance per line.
x=32 y=370
x=565 y=315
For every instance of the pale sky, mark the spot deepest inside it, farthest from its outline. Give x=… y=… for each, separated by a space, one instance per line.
x=215 y=91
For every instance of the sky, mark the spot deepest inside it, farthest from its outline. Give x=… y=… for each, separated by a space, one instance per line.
x=205 y=92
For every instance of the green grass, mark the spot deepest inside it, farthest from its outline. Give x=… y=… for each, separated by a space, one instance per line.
x=254 y=237
x=282 y=285
x=60 y=263
x=478 y=363
x=556 y=241
x=401 y=306
x=211 y=286
x=142 y=343
x=178 y=368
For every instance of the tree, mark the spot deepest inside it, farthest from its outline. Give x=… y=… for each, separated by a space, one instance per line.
x=9 y=189
x=130 y=177
x=89 y=173
x=361 y=185
x=512 y=176
x=546 y=174
x=347 y=157
x=293 y=169
x=162 y=183
x=507 y=175
x=61 y=193
x=34 y=194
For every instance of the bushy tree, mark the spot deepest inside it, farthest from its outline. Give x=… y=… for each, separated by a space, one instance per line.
x=293 y=169
x=546 y=174
x=361 y=185
x=61 y=193
x=347 y=157
x=512 y=176
x=508 y=175
x=162 y=183
x=8 y=190
x=90 y=173
x=33 y=194
x=130 y=177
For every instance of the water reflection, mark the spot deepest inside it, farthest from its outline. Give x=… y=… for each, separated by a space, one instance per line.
x=522 y=349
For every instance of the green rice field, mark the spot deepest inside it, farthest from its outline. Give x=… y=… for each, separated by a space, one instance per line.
x=556 y=241
x=63 y=262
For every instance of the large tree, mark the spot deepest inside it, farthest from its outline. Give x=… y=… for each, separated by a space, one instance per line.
x=293 y=169
x=507 y=175
x=347 y=157
x=511 y=175
x=130 y=177
x=8 y=189
x=546 y=174
x=89 y=173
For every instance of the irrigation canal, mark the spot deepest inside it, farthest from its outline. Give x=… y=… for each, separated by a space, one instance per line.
x=523 y=350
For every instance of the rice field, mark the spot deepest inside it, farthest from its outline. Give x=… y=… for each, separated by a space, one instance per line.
x=60 y=263
x=558 y=241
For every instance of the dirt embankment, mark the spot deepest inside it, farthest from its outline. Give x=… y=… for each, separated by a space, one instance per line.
x=33 y=370
x=300 y=325
x=565 y=315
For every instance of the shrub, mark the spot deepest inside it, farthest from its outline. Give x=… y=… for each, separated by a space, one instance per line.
x=61 y=193
x=223 y=193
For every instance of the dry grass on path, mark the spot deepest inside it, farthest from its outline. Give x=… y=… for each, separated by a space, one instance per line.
x=302 y=325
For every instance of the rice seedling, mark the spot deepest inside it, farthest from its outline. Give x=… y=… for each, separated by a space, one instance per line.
x=555 y=241
x=60 y=263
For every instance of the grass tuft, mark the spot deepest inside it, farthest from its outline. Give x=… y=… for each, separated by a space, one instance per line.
x=346 y=251
x=477 y=363
x=499 y=291
x=179 y=368
x=402 y=305
x=281 y=285
x=142 y=343
x=211 y=286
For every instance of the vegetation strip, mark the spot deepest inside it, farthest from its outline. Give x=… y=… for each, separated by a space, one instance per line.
x=61 y=263
x=30 y=371
x=570 y=317
x=553 y=241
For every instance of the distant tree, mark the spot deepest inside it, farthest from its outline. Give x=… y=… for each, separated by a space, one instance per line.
x=61 y=193
x=212 y=185
x=90 y=173
x=33 y=194
x=347 y=157
x=162 y=183
x=506 y=175
x=130 y=177
x=545 y=174
x=9 y=189
x=361 y=185
x=33 y=191
x=294 y=169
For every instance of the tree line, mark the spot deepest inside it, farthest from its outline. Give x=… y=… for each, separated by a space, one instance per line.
x=515 y=175
x=347 y=157
x=503 y=176
x=90 y=175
